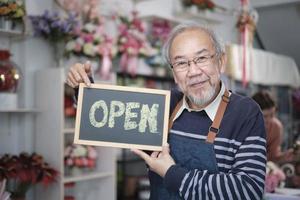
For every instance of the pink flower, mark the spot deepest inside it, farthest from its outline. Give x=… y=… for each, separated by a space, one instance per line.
x=92 y=153
x=88 y=38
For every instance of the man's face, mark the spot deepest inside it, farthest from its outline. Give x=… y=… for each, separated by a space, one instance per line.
x=199 y=81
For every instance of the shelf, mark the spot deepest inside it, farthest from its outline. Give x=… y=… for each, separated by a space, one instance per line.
x=69 y=131
x=20 y=110
x=10 y=33
x=207 y=16
x=157 y=78
x=88 y=176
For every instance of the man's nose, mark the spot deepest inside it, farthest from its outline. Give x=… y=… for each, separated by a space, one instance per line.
x=193 y=69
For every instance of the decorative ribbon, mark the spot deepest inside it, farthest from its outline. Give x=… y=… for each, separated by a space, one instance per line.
x=129 y=63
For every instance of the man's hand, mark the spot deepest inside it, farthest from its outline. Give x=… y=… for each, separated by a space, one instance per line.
x=158 y=162
x=79 y=73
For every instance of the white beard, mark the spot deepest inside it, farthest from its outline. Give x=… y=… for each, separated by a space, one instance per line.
x=205 y=99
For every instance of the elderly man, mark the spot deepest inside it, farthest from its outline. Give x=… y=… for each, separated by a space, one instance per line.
x=216 y=140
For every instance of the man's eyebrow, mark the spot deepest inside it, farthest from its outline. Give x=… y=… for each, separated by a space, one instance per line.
x=179 y=57
x=201 y=51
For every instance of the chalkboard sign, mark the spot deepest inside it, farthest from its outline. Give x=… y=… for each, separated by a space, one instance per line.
x=124 y=117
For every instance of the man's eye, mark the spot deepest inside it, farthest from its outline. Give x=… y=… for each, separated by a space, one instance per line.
x=201 y=59
x=181 y=64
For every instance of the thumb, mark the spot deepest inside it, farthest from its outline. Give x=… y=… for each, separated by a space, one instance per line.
x=87 y=67
x=166 y=149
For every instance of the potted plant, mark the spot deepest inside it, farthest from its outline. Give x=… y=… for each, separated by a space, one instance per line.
x=23 y=171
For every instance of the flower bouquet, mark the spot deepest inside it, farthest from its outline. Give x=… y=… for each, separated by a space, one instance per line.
x=24 y=171
x=132 y=42
x=79 y=158
x=12 y=11
x=274 y=177
x=159 y=32
x=53 y=27
x=91 y=41
x=201 y=4
x=56 y=29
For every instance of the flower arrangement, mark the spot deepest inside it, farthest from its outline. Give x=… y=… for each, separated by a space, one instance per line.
x=160 y=30
x=274 y=176
x=12 y=9
x=79 y=156
x=88 y=10
x=91 y=41
x=53 y=27
x=132 y=42
x=23 y=171
x=201 y=4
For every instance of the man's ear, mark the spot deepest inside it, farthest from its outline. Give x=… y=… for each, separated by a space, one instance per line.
x=222 y=63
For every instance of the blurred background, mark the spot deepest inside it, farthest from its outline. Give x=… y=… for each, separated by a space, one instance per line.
x=40 y=40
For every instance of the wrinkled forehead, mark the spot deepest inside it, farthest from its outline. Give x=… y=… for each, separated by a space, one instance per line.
x=191 y=42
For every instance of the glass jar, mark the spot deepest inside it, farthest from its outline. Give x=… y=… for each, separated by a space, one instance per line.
x=9 y=73
x=9 y=81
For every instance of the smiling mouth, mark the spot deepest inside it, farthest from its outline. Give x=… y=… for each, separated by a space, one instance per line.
x=197 y=84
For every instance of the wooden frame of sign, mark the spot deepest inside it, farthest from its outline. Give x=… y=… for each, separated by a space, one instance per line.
x=124 y=117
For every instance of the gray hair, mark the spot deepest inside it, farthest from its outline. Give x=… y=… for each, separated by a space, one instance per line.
x=217 y=43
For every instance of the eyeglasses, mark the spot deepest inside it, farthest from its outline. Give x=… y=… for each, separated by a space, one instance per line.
x=200 y=61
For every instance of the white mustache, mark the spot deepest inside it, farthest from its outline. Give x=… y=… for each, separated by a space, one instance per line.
x=195 y=80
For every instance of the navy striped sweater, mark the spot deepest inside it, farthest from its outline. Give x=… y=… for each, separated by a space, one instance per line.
x=240 y=149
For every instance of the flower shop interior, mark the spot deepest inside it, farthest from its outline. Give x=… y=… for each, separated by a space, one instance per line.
x=122 y=39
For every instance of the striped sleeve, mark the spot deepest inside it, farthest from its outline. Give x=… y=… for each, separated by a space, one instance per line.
x=245 y=179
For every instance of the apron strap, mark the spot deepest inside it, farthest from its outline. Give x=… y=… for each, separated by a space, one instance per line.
x=214 y=128
x=175 y=111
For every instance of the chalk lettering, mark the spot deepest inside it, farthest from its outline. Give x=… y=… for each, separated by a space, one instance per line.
x=95 y=106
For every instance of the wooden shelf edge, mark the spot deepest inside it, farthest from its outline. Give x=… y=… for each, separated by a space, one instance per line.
x=88 y=176
x=207 y=16
x=12 y=33
x=20 y=110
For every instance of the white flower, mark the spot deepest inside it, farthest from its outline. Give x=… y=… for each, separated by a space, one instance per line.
x=80 y=41
x=70 y=46
x=88 y=49
x=79 y=150
x=90 y=27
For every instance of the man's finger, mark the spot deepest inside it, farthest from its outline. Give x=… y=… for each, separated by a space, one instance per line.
x=84 y=76
x=70 y=83
x=72 y=80
x=154 y=154
x=87 y=67
x=166 y=149
x=142 y=154
x=76 y=75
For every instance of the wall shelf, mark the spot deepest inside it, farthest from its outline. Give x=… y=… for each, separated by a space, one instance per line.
x=12 y=33
x=153 y=77
x=90 y=176
x=20 y=110
x=208 y=16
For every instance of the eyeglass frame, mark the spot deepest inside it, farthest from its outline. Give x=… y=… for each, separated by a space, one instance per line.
x=193 y=60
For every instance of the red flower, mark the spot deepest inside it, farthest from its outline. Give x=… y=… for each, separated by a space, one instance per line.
x=24 y=171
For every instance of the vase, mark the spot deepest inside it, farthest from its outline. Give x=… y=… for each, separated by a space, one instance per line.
x=5 y=23
x=9 y=81
x=58 y=53
x=18 y=26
